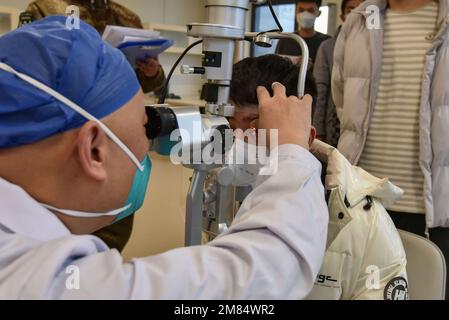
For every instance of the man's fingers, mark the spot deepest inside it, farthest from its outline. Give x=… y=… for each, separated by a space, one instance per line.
x=262 y=94
x=306 y=102
x=279 y=90
x=307 y=99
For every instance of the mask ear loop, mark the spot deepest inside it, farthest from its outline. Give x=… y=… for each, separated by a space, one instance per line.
x=76 y=108
x=78 y=214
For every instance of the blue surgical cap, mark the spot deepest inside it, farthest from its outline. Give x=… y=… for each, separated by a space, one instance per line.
x=76 y=63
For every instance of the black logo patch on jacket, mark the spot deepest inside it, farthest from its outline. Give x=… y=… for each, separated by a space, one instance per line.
x=396 y=289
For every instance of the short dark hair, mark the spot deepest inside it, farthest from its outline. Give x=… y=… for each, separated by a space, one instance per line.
x=318 y=2
x=344 y=3
x=250 y=73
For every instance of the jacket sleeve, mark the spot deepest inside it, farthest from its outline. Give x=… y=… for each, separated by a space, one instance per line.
x=322 y=76
x=274 y=249
x=338 y=80
x=382 y=274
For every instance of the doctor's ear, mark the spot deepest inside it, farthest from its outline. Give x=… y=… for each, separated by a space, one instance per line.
x=92 y=144
x=312 y=136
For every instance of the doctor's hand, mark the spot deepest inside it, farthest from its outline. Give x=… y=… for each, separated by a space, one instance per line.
x=150 y=67
x=291 y=116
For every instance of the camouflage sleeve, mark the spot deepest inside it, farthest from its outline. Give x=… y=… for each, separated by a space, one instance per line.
x=40 y=9
x=116 y=236
x=34 y=9
x=31 y=13
x=151 y=84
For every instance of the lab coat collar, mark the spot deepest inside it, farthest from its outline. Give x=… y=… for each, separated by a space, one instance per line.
x=23 y=215
x=355 y=183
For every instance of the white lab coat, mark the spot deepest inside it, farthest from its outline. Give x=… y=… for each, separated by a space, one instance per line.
x=364 y=259
x=274 y=249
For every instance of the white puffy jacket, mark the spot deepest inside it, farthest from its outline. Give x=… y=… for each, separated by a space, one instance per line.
x=364 y=258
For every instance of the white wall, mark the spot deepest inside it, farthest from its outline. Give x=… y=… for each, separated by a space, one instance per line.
x=178 y=12
x=19 y=4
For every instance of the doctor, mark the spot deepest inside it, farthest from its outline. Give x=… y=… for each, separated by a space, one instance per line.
x=99 y=14
x=73 y=159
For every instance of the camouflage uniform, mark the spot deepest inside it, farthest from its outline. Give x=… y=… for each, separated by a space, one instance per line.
x=99 y=16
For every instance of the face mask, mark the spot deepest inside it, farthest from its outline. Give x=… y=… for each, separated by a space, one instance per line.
x=244 y=163
x=140 y=183
x=134 y=202
x=138 y=190
x=306 y=20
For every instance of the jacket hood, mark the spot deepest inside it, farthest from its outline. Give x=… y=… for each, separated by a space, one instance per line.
x=355 y=183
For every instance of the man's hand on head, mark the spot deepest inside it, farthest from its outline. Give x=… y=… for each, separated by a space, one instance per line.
x=150 y=67
x=291 y=116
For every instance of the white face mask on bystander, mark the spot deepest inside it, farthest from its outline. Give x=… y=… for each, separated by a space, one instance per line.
x=306 y=20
